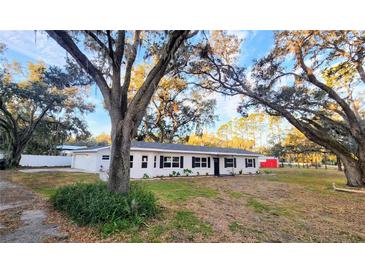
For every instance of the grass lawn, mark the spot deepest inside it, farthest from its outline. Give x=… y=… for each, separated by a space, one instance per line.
x=283 y=205
x=46 y=183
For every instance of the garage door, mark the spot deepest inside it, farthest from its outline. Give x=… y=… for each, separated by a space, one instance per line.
x=85 y=161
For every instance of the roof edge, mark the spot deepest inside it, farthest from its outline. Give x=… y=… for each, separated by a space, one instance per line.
x=170 y=150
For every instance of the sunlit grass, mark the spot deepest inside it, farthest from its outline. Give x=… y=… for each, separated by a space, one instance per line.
x=179 y=190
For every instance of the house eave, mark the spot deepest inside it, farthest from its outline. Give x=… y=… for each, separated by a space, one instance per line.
x=171 y=151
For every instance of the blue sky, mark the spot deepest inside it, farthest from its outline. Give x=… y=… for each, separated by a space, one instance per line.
x=26 y=46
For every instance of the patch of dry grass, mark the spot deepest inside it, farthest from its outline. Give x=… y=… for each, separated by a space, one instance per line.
x=46 y=183
x=287 y=205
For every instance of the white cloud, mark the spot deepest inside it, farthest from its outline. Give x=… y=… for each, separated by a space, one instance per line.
x=35 y=45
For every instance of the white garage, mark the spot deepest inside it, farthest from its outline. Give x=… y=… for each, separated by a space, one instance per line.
x=85 y=161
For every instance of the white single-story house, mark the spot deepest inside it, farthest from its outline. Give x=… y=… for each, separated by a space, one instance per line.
x=149 y=160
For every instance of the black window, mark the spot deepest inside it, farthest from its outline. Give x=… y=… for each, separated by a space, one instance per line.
x=131 y=161
x=144 y=161
x=197 y=162
x=250 y=162
x=204 y=162
x=105 y=157
x=166 y=161
x=175 y=161
x=155 y=161
x=201 y=162
x=228 y=162
x=169 y=161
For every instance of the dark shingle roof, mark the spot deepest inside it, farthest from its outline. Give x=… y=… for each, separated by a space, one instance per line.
x=179 y=147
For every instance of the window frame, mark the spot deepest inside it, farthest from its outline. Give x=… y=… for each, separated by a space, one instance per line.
x=229 y=165
x=131 y=161
x=197 y=162
x=105 y=156
x=144 y=162
x=172 y=162
x=167 y=161
x=204 y=164
x=248 y=164
x=201 y=162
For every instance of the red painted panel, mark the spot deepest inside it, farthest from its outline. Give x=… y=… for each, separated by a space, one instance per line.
x=269 y=163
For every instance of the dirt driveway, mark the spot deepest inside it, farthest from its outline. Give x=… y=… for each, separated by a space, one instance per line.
x=23 y=216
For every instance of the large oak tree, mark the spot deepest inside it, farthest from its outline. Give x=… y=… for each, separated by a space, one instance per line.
x=44 y=96
x=111 y=66
x=315 y=79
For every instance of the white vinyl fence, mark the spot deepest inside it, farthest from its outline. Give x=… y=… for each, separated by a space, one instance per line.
x=44 y=160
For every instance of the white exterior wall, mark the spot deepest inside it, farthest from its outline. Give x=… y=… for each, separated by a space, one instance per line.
x=187 y=165
x=44 y=160
x=96 y=163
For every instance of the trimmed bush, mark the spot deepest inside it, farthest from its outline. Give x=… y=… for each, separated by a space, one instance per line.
x=94 y=204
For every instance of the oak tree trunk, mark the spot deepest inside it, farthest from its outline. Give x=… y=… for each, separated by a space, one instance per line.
x=12 y=158
x=119 y=170
x=355 y=175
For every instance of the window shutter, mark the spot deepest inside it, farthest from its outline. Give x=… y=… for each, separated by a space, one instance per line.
x=208 y=162
x=245 y=162
x=193 y=162
x=161 y=161
x=181 y=161
x=234 y=162
x=254 y=162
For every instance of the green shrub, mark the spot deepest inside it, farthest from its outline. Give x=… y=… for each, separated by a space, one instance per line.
x=174 y=174
x=187 y=171
x=94 y=204
x=145 y=176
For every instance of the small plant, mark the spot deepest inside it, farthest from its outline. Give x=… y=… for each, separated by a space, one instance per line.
x=240 y=172
x=197 y=173
x=206 y=174
x=174 y=174
x=145 y=176
x=187 y=171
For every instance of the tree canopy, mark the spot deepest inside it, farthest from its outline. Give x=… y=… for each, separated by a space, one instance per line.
x=314 y=79
x=43 y=96
x=111 y=58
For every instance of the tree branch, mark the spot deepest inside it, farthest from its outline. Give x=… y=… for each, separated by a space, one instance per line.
x=65 y=41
